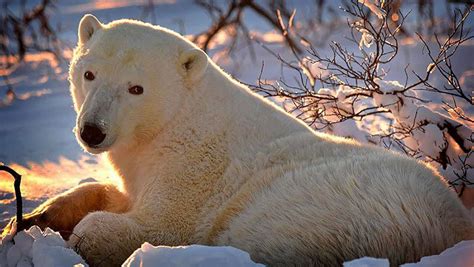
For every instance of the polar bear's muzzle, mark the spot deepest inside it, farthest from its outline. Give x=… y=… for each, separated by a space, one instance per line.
x=92 y=135
x=96 y=128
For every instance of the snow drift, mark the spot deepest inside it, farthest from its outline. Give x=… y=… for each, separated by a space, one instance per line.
x=461 y=255
x=34 y=247
x=194 y=255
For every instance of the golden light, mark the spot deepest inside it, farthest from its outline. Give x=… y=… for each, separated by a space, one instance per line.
x=48 y=178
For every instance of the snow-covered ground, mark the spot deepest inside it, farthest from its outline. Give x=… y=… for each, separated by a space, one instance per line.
x=36 y=135
x=460 y=255
x=34 y=247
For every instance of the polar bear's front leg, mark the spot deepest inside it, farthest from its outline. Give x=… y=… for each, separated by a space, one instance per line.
x=106 y=239
x=64 y=211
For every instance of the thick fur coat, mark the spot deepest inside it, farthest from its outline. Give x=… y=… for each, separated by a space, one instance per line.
x=205 y=160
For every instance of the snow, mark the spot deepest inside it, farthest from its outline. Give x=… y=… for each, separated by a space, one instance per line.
x=313 y=69
x=431 y=68
x=366 y=40
x=190 y=256
x=367 y=262
x=429 y=134
x=460 y=255
x=380 y=13
x=349 y=128
x=388 y=87
x=34 y=247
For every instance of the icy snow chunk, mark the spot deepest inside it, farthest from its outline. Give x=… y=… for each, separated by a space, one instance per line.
x=462 y=254
x=45 y=255
x=380 y=13
x=349 y=128
x=13 y=256
x=4 y=249
x=367 y=262
x=51 y=238
x=389 y=86
x=34 y=247
x=326 y=91
x=24 y=242
x=313 y=69
x=366 y=40
x=189 y=256
x=431 y=68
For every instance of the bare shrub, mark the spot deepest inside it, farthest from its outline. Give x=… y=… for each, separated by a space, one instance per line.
x=348 y=92
x=24 y=30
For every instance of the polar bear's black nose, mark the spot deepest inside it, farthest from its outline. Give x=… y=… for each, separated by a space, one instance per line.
x=92 y=135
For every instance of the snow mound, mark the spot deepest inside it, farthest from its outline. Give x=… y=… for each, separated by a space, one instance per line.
x=34 y=247
x=461 y=255
x=367 y=262
x=190 y=256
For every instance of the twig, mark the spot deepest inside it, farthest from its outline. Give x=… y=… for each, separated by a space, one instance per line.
x=18 y=198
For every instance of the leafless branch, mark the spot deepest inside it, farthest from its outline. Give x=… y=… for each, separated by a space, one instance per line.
x=349 y=85
x=19 y=200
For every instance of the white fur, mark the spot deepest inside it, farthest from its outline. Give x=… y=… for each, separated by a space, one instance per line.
x=205 y=160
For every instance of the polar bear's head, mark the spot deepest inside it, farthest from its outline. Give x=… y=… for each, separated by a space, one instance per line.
x=128 y=79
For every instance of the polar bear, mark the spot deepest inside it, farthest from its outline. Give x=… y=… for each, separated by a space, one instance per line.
x=204 y=160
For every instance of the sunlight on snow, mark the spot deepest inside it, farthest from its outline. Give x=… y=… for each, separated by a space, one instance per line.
x=49 y=178
x=110 y=4
x=32 y=59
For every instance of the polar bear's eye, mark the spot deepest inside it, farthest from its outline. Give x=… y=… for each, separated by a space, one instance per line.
x=135 y=90
x=89 y=75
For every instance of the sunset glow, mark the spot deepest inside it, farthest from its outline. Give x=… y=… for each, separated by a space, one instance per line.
x=49 y=178
x=110 y=4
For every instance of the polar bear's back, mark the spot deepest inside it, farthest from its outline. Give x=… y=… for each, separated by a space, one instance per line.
x=328 y=201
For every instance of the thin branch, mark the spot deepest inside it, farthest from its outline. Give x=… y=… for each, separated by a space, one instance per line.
x=18 y=198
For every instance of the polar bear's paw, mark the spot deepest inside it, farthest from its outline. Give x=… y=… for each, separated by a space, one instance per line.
x=105 y=239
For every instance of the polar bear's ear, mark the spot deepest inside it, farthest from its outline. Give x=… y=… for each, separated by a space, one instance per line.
x=193 y=64
x=87 y=27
